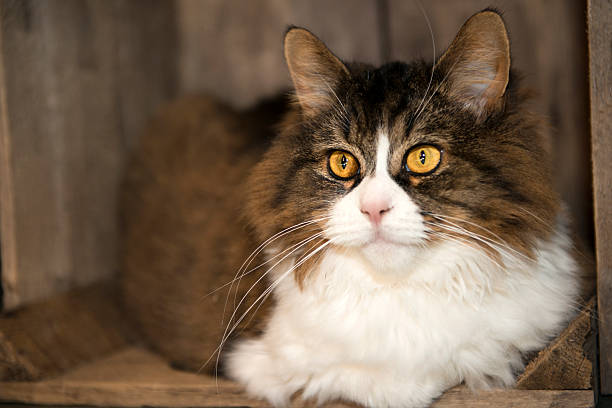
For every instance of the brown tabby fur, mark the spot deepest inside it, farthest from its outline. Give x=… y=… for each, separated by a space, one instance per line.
x=200 y=164
x=181 y=203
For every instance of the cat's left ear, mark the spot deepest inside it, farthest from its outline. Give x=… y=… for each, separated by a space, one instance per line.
x=477 y=63
x=315 y=71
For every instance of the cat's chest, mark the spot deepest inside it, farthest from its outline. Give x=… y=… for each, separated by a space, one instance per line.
x=458 y=309
x=344 y=307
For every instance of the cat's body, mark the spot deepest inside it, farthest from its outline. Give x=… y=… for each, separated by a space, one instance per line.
x=183 y=234
x=412 y=238
x=349 y=335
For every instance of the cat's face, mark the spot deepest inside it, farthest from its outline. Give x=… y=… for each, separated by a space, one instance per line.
x=392 y=161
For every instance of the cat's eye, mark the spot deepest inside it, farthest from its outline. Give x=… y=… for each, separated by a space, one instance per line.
x=423 y=159
x=343 y=165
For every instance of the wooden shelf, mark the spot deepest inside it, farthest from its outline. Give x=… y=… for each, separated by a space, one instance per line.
x=134 y=377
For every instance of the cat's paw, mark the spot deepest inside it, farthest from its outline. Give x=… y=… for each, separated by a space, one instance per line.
x=251 y=364
x=370 y=387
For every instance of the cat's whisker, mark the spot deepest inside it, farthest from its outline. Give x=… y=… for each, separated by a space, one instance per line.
x=487 y=240
x=344 y=114
x=501 y=249
x=261 y=247
x=276 y=282
x=294 y=249
x=276 y=256
x=278 y=235
x=271 y=259
x=464 y=242
x=270 y=288
x=266 y=297
x=227 y=332
x=445 y=218
x=450 y=70
x=252 y=269
x=573 y=243
x=485 y=284
x=433 y=67
x=576 y=306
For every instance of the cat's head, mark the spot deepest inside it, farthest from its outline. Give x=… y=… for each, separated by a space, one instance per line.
x=391 y=161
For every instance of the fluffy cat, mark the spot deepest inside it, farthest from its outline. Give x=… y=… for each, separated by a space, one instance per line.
x=412 y=239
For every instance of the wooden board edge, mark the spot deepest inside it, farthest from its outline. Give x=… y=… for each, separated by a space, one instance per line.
x=158 y=395
x=8 y=249
x=599 y=13
x=553 y=366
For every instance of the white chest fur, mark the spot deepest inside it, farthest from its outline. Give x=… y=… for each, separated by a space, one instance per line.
x=384 y=340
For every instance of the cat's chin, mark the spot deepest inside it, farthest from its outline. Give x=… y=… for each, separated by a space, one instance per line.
x=390 y=257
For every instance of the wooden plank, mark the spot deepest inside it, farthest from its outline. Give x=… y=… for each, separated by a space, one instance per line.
x=462 y=398
x=146 y=42
x=233 y=49
x=80 y=78
x=8 y=250
x=134 y=377
x=547 y=41
x=600 y=61
x=48 y=338
x=563 y=364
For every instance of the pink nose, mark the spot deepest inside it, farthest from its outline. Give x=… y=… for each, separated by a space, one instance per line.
x=375 y=208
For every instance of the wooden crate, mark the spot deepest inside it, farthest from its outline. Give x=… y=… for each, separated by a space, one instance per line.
x=79 y=78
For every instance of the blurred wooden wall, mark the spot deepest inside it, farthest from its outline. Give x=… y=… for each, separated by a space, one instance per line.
x=79 y=77
x=77 y=81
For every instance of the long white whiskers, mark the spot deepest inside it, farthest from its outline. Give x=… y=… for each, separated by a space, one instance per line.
x=227 y=332
x=259 y=249
x=433 y=67
x=501 y=246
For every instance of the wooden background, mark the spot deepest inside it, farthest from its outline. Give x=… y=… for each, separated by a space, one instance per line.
x=78 y=79
x=600 y=73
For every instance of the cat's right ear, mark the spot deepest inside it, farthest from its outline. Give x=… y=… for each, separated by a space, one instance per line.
x=315 y=71
x=477 y=63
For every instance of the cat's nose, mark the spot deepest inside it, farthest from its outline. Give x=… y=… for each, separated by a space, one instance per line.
x=375 y=208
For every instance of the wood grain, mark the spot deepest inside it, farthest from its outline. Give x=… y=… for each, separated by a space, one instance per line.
x=562 y=365
x=79 y=80
x=134 y=377
x=600 y=75
x=233 y=49
x=8 y=249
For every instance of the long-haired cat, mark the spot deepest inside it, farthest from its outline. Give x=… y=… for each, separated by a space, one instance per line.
x=410 y=236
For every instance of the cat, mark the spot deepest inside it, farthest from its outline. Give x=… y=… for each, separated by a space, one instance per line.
x=411 y=239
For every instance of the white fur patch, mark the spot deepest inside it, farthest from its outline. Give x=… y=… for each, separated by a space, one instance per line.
x=389 y=322
x=382 y=154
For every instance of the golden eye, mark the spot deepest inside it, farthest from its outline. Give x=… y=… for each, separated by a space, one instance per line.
x=343 y=165
x=423 y=159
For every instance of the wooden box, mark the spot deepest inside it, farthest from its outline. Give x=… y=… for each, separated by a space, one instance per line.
x=78 y=80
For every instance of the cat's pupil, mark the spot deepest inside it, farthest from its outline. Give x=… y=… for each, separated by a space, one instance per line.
x=343 y=162
x=422 y=157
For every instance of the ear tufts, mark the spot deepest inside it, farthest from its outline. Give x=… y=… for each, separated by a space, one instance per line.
x=315 y=71
x=477 y=63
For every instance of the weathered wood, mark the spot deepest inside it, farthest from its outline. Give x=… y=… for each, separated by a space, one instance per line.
x=563 y=364
x=134 y=377
x=79 y=80
x=8 y=250
x=600 y=61
x=547 y=46
x=233 y=49
x=49 y=338
x=462 y=398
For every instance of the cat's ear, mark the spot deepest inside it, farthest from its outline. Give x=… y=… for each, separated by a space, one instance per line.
x=315 y=71
x=477 y=63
